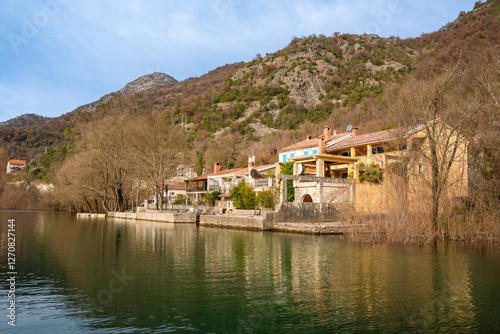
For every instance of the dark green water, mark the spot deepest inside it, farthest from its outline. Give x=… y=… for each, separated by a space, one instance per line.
x=117 y=276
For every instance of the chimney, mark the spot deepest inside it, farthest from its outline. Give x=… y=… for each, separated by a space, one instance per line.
x=308 y=137
x=334 y=132
x=321 y=145
x=354 y=132
x=327 y=133
x=216 y=167
x=251 y=161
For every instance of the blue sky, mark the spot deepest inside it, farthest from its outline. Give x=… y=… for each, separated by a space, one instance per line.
x=56 y=55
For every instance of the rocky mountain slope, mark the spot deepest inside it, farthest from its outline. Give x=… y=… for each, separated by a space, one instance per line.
x=23 y=121
x=148 y=82
x=340 y=79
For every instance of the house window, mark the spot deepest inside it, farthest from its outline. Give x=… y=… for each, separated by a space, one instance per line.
x=306 y=152
x=284 y=158
x=315 y=151
x=346 y=153
x=421 y=169
x=292 y=155
x=378 y=150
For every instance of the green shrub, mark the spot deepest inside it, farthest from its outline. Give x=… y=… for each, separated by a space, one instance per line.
x=371 y=174
x=179 y=199
x=287 y=169
x=211 y=197
x=243 y=196
x=266 y=198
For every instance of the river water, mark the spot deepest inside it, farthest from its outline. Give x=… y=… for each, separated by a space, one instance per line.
x=118 y=276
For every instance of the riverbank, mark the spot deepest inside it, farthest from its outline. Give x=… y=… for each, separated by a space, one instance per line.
x=305 y=218
x=162 y=217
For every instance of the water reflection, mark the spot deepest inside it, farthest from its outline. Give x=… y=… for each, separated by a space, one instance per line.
x=125 y=276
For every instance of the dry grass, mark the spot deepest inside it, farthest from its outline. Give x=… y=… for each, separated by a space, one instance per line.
x=476 y=222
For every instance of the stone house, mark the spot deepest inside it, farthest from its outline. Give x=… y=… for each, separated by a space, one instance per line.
x=173 y=190
x=349 y=157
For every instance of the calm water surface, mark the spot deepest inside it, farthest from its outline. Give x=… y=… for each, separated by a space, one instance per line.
x=118 y=276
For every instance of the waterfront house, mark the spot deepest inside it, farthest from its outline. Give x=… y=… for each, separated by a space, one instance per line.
x=399 y=155
x=310 y=145
x=15 y=165
x=260 y=177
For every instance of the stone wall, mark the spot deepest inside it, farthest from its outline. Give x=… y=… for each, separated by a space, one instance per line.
x=238 y=222
x=164 y=217
x=323 y=193
x=304 y=213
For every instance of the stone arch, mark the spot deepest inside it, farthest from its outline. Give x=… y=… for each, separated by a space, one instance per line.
x=307 y=199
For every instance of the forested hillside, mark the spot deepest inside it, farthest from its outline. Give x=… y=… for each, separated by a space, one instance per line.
x=276 y=98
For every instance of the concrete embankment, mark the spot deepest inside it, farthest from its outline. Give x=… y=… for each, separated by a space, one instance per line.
x=307 y=218
x=164 y=217
x=237 y=222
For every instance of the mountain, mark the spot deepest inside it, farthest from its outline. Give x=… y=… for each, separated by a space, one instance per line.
x=23 y=121
x=340 y=79
x=148 y=82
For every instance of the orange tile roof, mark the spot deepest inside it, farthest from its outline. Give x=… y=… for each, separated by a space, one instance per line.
x=308 y=143
x=176 y=186
x=374 y=137
x=17 y=162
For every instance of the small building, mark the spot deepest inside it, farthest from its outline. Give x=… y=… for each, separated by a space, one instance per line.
x=15 y=165
x=174 y=190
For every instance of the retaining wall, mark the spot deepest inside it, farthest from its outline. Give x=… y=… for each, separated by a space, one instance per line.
x=164 y=217
x=304 y=213
x=238 y=222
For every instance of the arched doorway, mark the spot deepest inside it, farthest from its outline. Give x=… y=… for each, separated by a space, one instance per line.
x=307 y=199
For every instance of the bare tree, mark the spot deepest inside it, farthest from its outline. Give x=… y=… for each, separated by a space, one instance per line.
x=101 y=171
x=441 y=109
x=155 y=145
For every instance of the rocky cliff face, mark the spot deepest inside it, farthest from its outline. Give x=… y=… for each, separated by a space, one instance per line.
x=148 y=82
x=23 y=121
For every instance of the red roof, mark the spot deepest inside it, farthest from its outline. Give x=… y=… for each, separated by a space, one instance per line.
x=176 y=186
x=17 y=162
x=374 y=137
x=308 y=143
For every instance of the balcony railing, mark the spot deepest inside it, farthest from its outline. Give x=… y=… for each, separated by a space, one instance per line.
x=195 y=189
